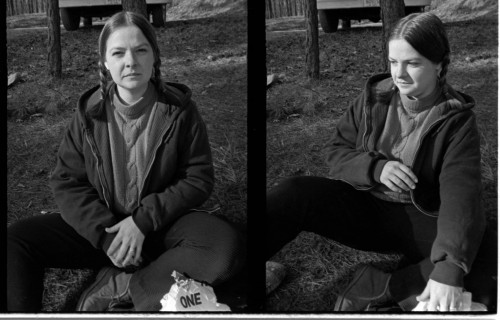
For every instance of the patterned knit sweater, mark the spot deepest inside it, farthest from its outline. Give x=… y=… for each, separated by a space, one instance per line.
x=407 y=120
x=128 y=127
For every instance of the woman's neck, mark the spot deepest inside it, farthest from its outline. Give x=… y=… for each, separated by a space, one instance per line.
x=131 y=96
x=415 y=105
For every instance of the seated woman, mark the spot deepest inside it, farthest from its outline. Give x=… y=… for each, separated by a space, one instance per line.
x=406 y=177
x=134 y=160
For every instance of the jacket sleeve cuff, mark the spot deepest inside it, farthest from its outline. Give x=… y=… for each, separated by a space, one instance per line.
x=106 y=243
x=448 y=273
x=143 y=223
x=377 y=170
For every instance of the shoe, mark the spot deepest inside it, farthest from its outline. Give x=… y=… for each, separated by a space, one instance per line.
x=109 y=291
x=275 y=273
x=369 y=287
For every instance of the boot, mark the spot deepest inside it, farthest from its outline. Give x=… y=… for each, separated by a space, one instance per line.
x=370 y=286
x=275 y=273
x=109 y=291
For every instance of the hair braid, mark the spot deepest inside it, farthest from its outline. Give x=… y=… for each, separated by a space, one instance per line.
x=444 y=70
x=103 y=72
x=159 y=84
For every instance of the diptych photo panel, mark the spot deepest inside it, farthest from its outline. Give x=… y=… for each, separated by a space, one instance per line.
x=381 y=156
x=127 y=156
x=151 y=173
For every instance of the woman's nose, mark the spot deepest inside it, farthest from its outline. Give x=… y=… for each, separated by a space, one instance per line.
x=400 y=70
x=130 y=59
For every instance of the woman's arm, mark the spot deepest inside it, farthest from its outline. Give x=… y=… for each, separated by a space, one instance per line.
x=80 y=204
x=345 y=159
x=461 y=219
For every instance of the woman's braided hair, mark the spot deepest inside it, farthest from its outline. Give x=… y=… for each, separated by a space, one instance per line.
x=123 y=19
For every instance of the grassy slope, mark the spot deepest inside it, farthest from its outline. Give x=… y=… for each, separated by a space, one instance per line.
x=208 y=55
x=302 y=116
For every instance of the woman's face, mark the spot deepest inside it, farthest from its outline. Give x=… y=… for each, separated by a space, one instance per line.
x=129 y=59
x=413 y=74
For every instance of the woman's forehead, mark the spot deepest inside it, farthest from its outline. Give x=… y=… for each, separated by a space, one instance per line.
x=130 y=34
x=401 y=49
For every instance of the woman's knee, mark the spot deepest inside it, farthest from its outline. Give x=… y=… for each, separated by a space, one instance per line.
x=223 y=245
x=304 y=188
x=18 y=233
x=285 y=194
x=289 y=187
x=20 y=245
x=220 y=240
x=227 y=247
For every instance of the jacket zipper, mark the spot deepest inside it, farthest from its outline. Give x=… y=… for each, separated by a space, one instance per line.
x=365 y=149
x=93 y=148
x=365 y=138
x=413 y=162
x=150 y=165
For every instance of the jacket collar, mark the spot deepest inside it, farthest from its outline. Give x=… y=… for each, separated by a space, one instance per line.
x=90 y=105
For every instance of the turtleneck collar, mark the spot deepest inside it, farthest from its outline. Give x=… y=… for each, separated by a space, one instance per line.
x=135 y=110
x=419 y=105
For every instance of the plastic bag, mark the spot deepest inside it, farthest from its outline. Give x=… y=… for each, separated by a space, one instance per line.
x=466 y=305
x=188 y=295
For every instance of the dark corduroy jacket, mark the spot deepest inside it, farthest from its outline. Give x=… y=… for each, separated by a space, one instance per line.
x=447 y=164
x=179 y=173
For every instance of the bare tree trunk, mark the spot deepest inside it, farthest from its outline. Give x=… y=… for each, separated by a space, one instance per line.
x=269 y=9
x=54 y=43
x=390 y=11
x=137 y=6
x=312 y=46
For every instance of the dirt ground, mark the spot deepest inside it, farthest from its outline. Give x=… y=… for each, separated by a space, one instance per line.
x=207 y=54
x=302 y=116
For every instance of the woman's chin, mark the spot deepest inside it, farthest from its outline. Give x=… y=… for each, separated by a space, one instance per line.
x=405 y=90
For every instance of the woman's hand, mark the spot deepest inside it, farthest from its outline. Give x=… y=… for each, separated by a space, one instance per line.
x=440 y=296
x=398 y=177
x=126 y=247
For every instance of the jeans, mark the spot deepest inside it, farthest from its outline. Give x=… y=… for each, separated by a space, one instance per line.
x=199 y=245
x=336 y=210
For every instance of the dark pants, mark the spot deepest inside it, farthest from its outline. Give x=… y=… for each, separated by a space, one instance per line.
x=202 y=246
x=336 y=210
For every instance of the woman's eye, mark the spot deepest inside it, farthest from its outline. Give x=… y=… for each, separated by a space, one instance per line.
x=116 y=53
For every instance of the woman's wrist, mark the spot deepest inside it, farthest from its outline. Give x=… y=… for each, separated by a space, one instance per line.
x=448 y=273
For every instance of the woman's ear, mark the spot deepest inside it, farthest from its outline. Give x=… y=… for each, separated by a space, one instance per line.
x=106 y=65
x=439 y=68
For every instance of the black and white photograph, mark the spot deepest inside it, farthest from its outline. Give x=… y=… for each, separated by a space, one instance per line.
x=126 y=156
x=381 y=156
x=152 y=173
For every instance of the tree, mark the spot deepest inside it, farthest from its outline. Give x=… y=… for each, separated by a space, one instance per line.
x=312 y=46
x=54 y=41
x=390 y=11
x=138 y=6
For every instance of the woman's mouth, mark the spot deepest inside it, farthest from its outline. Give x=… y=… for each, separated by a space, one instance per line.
x=133 y=74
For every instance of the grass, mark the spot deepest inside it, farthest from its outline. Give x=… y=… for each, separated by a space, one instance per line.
x=303 y=114
x=208 y=55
